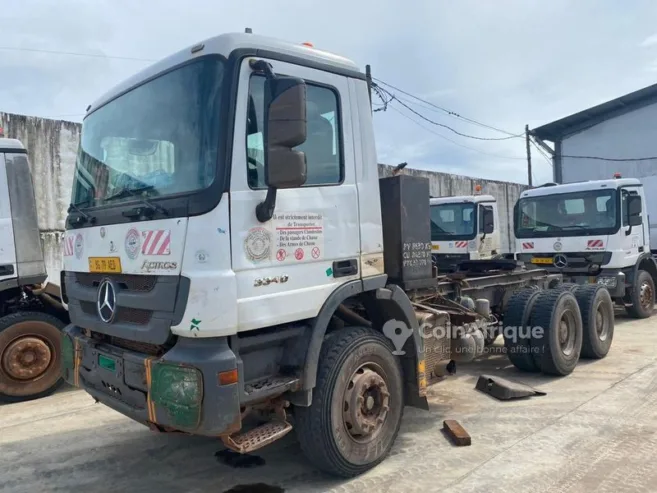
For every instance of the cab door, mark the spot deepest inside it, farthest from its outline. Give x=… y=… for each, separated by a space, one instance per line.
x=632 y=239
x=287 y=267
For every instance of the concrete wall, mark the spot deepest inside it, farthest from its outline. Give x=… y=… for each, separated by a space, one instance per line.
x=52 y=147
x=626 y=136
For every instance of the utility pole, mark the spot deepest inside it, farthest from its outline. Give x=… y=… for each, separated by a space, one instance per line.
x=529 y=156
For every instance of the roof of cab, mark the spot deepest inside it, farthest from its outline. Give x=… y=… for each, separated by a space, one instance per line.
x=580 y=186
x=225 y=44
x=9 y=145
x=461 y=199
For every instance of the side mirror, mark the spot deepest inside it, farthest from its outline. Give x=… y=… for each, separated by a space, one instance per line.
x=285 y=129
x=489 y=220
x=634 y=220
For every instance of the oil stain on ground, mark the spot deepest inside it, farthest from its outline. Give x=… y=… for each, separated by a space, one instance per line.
x=239 y=461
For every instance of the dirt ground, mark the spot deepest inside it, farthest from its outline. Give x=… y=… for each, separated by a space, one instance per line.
x=595 y=430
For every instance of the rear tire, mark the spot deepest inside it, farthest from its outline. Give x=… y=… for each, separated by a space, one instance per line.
x=516 y=323
x=351 y=423
x=30 y=352
x=598 y=320
x=642 y=296
x=557 y=350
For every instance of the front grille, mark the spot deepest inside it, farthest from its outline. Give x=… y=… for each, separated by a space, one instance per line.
x=138 y=347
x=126 y=282
x=134 y=316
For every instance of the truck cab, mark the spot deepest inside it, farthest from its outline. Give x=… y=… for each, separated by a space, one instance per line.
x=591 y=232
x=463 y=228
x=31 y=313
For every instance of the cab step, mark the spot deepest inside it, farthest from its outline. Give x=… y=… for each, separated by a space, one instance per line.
x=257 y=437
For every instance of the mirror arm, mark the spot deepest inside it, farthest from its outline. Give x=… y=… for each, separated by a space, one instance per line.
x=262 y=67
x=265 y=209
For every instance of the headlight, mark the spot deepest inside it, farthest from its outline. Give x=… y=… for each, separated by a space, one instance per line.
x=179 y=390
x=609 y=282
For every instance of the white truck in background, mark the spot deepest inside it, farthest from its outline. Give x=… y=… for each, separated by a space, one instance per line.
x=463 y=228
x=31 y=313
x=592 y=232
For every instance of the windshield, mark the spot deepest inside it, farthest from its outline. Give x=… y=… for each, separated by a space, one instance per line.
x=156 y=140
x=590 y=212
x=453 y=222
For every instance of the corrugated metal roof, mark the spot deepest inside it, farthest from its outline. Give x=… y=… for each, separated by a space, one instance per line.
x=597 y=114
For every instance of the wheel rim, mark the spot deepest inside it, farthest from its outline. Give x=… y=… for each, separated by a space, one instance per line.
x=366 y=403
x=26 y=358
x=646 y=295
x=566 y=332
x=601 y=322
x=29 y=362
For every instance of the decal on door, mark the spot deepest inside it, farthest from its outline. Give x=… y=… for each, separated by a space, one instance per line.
x=156 y=242
x=528 y=245
x=595 y=245
x=257 y=245
x=460 y=244
x=299 y=236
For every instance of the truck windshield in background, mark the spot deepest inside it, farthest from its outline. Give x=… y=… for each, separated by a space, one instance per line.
x=159 y=139
x=451 y=222
x=589 y=212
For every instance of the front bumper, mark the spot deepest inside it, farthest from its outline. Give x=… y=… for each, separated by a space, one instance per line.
x=614 y=281
x=123 y=380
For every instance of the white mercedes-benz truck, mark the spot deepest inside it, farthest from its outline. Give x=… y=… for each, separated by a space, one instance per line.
x=234 y=254
x=463 y=228
x=591 y=232
x=31 y=313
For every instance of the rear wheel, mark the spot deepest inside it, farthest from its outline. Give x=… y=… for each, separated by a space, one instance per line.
x=557 y=346
x=29 y=356
x=598 y=320
x=357 y=403
x=642 y=296
x=517 y=331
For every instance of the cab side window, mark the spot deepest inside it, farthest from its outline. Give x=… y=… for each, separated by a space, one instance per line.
x=323 y=145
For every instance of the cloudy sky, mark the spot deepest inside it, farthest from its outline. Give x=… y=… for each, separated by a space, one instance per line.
x=506 y=63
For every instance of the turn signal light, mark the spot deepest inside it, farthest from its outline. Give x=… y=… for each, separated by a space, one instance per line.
x=228 y=377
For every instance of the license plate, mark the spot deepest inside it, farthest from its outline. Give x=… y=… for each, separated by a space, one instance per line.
x=541 y=260
x=107 y=363
x=105 y=264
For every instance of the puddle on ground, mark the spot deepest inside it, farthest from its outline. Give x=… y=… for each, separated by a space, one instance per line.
x=255 y=488
x=240 y=461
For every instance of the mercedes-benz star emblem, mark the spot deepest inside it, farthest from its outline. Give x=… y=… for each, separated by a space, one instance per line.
x=560 y=261
x=106 y=302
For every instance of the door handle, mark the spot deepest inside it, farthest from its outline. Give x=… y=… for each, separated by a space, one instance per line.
x=6 y=270
x=342 y=268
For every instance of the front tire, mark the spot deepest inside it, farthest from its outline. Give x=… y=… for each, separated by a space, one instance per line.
x=642 y=296
x=30 y=352
x=357 y=404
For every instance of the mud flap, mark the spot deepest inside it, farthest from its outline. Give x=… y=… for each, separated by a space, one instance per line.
x=504 y=389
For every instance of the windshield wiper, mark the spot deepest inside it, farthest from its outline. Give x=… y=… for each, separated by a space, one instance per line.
x=574 y=226
x=83 y=216
x=134 y=192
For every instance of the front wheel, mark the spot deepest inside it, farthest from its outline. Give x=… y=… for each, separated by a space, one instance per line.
x=642 y=296
x=29 y=356
x=357 y=404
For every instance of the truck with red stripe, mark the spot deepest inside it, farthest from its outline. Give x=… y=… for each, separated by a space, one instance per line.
x=591 y=232
x=463 y=228
x=235 y=261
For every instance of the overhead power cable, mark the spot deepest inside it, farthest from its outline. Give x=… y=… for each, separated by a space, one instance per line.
x=599 y=158
x=541 y=152
x=409 y=108
x=71 y=53
x=408 y=117
x=449 y=112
